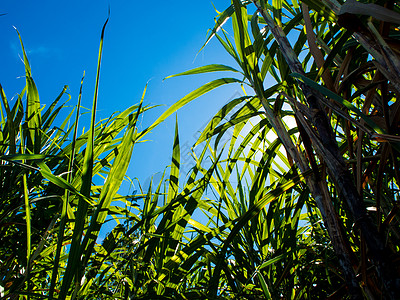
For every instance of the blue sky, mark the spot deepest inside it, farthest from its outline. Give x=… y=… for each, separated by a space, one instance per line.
x=144 y=42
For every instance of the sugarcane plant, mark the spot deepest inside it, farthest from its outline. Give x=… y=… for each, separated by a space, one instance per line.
x=53 y=207
x=332 y=68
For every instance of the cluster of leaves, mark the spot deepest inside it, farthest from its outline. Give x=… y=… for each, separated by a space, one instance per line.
x=340 y=82
x=275 y=205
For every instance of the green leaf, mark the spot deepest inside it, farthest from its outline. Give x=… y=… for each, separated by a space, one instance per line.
x=174 y=174
x=222 y=18
x=264 y=286
x=33 y=111
x=205 y=69
x=73 y=269
x=271 y=261
x=188 y=98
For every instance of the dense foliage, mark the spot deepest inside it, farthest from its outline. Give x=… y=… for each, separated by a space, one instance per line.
x=294 y=194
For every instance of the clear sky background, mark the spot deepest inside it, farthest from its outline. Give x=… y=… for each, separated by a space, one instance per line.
x=144 y=42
